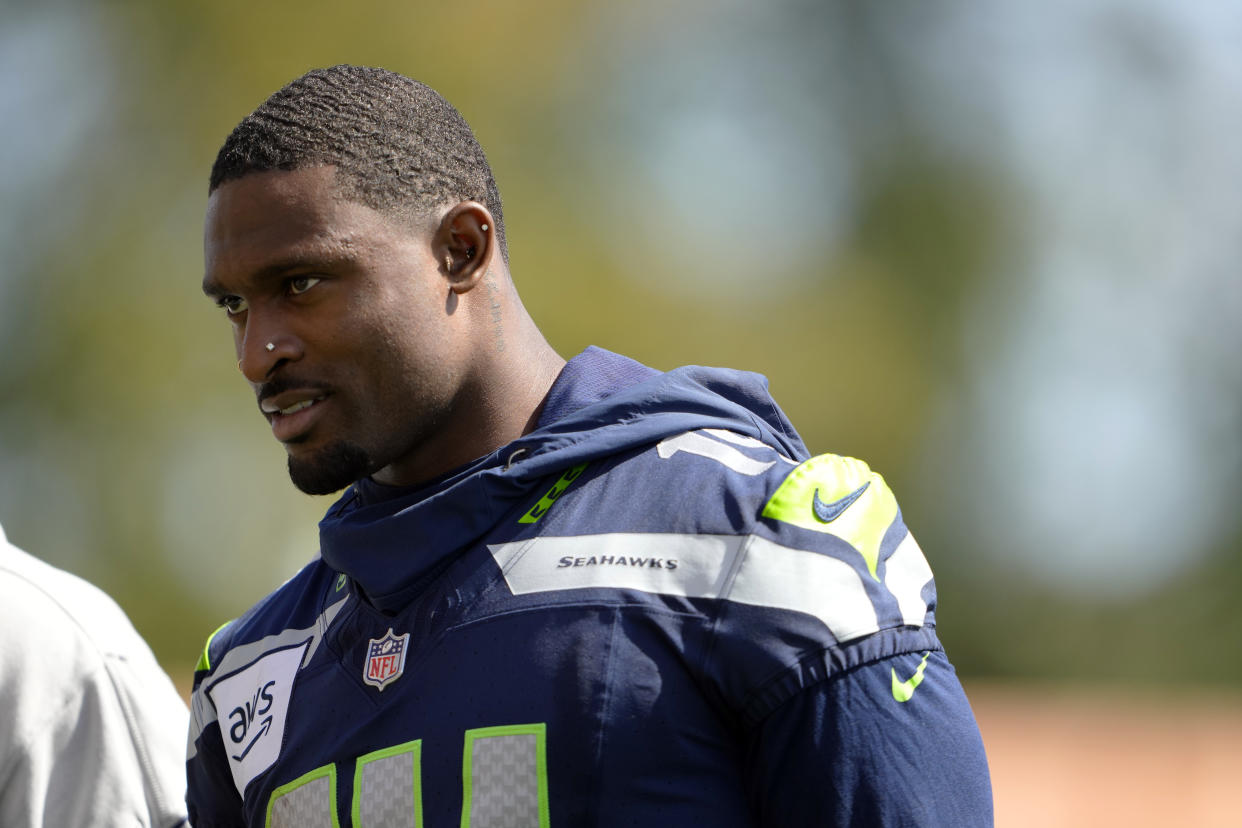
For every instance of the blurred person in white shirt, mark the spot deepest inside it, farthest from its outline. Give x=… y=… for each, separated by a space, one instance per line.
x=92 y=731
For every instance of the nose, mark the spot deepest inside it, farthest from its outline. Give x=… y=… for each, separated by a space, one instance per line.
x=261 y=353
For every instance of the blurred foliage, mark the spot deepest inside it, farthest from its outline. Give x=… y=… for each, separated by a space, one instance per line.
x=132 y=454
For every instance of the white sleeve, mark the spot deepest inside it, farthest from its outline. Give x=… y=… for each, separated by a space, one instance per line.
x=93 y=730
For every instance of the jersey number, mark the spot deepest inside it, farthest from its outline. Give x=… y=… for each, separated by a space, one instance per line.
x=504 y=782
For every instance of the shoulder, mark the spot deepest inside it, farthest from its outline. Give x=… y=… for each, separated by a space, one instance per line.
x=802 y=568
x=250 y=663
x=281 y=632
x=702 y=480
x=94 y=721
x=294 y=610
x=55 y=621
x=715 y=481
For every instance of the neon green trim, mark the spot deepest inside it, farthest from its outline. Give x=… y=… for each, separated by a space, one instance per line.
x=558 y=488
x=830 y=478
x=310 y=776
x=539 y=731
x=904 y=690
x=204 y=661
x=340 y=582
x=415 y=747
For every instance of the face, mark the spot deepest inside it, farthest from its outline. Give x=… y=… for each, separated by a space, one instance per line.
x=343 y=324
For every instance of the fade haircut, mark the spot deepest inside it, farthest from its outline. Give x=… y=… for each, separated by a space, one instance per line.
x=396 y=144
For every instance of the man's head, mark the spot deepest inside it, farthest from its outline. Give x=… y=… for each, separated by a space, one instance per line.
x=352 y=236
x=397 y=145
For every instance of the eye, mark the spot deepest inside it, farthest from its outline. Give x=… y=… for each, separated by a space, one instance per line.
x=301 y=284
x=232 y=305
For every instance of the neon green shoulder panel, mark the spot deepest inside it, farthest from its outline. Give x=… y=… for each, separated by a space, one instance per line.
x=204 y=660
x=838 y=496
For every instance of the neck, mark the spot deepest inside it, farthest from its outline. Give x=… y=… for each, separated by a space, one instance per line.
x=523 y=367
x=511 y=369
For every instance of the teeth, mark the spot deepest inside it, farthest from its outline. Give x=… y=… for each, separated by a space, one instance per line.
x=299 y=406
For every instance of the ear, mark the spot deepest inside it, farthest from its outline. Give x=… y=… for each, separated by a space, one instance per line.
x=464 y=243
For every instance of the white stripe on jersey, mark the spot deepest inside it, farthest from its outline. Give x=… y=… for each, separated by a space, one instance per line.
x=905 y=575
x=746 y=569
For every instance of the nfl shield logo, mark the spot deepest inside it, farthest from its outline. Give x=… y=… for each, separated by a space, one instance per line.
x=385 y=659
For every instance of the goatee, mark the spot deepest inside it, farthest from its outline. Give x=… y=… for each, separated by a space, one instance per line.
x=329 y=470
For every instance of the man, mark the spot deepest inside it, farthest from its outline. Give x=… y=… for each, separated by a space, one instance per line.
x=582 y=594
x=89 y=735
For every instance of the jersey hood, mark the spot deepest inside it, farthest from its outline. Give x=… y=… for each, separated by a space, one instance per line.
x=392 y=541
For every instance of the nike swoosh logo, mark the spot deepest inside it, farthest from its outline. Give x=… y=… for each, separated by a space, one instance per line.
x=828 y=512
x=267 y=724
x=904 y=690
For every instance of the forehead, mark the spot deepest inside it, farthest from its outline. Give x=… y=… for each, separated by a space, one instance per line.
x=265 y=219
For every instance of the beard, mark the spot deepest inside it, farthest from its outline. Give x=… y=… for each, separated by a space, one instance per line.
x=330 y=470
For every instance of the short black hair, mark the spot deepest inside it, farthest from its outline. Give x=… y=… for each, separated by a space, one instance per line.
x=397 y=145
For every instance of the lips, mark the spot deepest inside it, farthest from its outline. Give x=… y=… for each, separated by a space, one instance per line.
x=292 y=413
x=269 y=408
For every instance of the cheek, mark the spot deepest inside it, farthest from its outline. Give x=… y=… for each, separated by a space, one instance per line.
x=406 y=330
x=415 y=333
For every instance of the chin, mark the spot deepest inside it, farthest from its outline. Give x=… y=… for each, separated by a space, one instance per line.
x=329 y=469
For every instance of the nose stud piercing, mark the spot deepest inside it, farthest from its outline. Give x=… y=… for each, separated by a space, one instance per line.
x=269 y=347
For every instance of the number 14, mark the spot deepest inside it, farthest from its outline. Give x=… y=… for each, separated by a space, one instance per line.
x=504 y=782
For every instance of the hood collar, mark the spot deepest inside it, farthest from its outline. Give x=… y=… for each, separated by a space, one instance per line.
x=392 y=540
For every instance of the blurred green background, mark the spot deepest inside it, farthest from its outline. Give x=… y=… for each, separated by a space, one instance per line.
x=992 y=248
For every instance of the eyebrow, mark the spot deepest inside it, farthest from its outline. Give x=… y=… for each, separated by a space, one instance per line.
x=279 y=268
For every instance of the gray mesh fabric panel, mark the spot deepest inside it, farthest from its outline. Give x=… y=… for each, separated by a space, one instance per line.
x=504 y=782
x=386 y=796
x=307 y=806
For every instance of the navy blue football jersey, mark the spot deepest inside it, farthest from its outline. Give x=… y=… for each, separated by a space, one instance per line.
x=654 y=609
